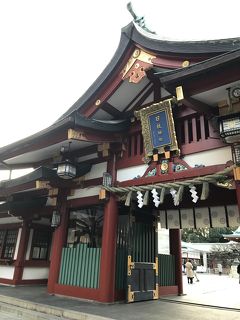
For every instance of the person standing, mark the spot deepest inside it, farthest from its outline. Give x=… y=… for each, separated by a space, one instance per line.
x=219 y=269
x=195 y=270
x=238 y=271
x=189 y=271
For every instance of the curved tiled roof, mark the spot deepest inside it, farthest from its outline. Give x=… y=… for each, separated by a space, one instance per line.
x=133 y=34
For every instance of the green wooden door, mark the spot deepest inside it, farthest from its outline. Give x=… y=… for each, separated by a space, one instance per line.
x=142 y=268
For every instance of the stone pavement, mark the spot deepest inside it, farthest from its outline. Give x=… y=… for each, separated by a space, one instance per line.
x=212 y=289
x=214 y=298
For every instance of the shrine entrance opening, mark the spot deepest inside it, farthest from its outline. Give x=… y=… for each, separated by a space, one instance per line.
x=137 y=249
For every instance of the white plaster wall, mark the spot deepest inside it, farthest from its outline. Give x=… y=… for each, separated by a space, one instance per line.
x=6 y=272
x=163 y=240
x=17 y=244
x=132 y=172
x=96 y=171
x=88 y=157
x=86 y=192
x=9 y=219
x=29 y=244
x=208 y=158
x=35 y=273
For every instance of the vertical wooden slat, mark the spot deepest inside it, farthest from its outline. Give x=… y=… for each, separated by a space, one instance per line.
x=144 y=248
x=91 y=268
x=67 y=266
x=95 y=271
x=153 y=244
x=139 y=240
x=202 y=126
x=166 y=270
x=139 y=143
x=186 y=133
x=85 y=280
x=71 y=262
x=75 y=280
x=133 y=240
x=147 y=244
x=62 y=268
x=79 y=265
x=132 y=141
x=194 y=129
x=84 y=247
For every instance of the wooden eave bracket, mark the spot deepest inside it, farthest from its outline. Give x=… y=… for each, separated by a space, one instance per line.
x=76 y=135
x=52 y=192
x=104 y=149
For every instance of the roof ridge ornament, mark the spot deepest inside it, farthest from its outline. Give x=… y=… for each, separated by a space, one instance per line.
x=139 y=20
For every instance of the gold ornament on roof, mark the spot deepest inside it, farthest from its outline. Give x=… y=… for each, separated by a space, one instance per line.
x=139 y=62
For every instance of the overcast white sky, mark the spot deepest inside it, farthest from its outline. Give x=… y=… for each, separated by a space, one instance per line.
x=52 y=50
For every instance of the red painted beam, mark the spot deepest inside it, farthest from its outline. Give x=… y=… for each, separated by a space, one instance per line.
x=111 y=86
x=81 y=202
x=186 y=174
x=104 y=96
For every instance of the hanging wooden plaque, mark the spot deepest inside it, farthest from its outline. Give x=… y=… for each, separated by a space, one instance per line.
x=158 y=127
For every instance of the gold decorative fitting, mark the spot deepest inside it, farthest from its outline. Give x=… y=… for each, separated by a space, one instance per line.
x=228 y=184
x=76 y=135
x=97 y=103
x=236 y=172
x=42 y=184
x=155 y=293
x=136 y=53
x=155 y=266
x=179 y=93
x=102 y=194
x=185 y=64
x=167 y=154
x=53 y=192
x=130 y=294
x=136 y=66
x=104 y=148
x=155 y=157
x=130 y=265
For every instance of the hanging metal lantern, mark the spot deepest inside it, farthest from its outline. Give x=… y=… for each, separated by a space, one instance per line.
x=55 y=219
x=236 y=153
x=66 y=170
x=230 y=127
x=107 y=179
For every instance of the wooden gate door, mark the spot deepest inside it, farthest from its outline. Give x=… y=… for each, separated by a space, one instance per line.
x=142 y=270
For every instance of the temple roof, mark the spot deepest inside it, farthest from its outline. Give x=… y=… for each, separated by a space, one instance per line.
x=105 y=109
x=235 y=236
x=133 y=35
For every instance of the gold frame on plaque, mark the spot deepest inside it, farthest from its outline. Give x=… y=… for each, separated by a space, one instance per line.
x=144 y=114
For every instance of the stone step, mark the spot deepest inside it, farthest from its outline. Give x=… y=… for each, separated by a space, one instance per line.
x=8 y=311
x=28 y=310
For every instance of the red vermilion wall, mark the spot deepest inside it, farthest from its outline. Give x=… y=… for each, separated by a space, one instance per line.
x=176 y=250
x=108 y=255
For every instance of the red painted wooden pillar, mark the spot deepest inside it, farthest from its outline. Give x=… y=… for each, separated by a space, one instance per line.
x=59 y=238
x=108 y=255
x=176 y=250
x=19 y=263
